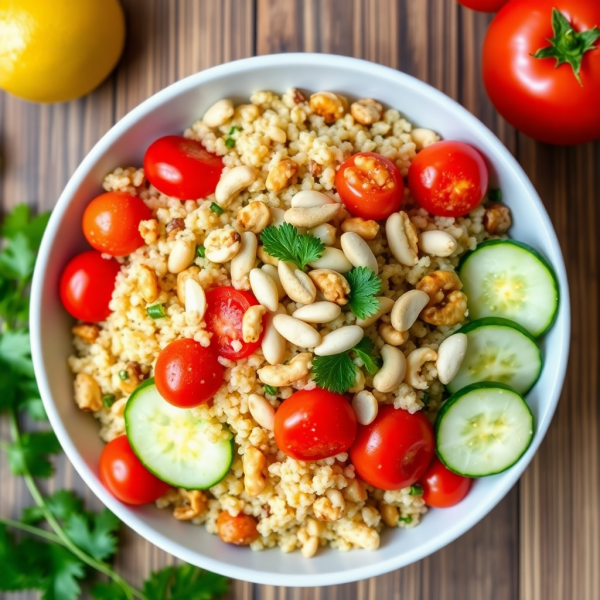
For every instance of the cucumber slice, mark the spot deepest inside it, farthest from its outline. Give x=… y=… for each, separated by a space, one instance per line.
x=483 y=429
x=498 y=350
x=171 y=443
x=503 y=278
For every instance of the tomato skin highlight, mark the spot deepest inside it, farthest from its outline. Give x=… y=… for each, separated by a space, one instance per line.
x=87 y=284
x=111 y=223
x=448 y=179
x=395 y=450
x=225 y=310
x=373 y=203
x=530 y=92
x=187 y=374
x=484 y=5
x=314 y=425
x=182 y=168
x=443 y=488
x=125 y=477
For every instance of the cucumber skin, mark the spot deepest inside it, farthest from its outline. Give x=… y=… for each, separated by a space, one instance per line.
x=537 y=255
x=453 y=399
x=146 y=383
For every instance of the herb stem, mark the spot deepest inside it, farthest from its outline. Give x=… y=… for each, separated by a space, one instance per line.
x=47 y=535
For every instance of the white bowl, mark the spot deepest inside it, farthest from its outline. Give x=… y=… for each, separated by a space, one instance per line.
x=171 y=111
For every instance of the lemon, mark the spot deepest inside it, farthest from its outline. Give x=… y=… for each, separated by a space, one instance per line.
x=57 y=50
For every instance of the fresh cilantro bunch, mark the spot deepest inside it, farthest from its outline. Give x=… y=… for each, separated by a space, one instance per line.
x=65 y=543
x=286 y=243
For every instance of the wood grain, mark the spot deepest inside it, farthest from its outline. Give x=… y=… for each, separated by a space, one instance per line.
x=542 y=542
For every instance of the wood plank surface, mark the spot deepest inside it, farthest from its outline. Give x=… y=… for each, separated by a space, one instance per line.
x=542 y=542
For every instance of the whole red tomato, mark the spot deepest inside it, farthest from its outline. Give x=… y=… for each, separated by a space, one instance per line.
x=187 y=374
x=549 y=102
x=87 y=284
x=393 y=451
x=314 y=424
x=484 y=5
x=182 y=168
x=441 y=487
x=125 y=477
x=111 y=223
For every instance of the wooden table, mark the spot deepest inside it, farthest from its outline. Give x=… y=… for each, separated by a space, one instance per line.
x=542 y=542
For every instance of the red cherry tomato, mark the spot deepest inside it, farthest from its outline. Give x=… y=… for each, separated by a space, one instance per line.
x=530 y=92
x=441 y=487
x=224 y=314
x=111 y=222
x=87 y=284
x=370 y=185
x=484 y=5
x=125 y=477
x=182 y=168
x=187 y=374
x=448 y=179
x=394 y=450
x=314 y=424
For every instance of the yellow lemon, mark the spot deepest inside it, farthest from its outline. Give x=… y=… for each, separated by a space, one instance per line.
x=57 y=50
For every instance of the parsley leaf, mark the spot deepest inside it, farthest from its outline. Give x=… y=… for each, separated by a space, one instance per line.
x=94 y=533
x=15 y=351
x=364 y=287
x=17 y=572
x=17 y=259
x=336 y=373
x=108 y=591
x=62 y=504
x=33 y=453
x=19 y=221
x=287 y=244
x=64 y=571
x=365 y=351
x=185 y=582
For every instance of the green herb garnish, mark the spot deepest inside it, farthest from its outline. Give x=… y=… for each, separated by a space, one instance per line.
x=365 y=350
x=201 y=251
x=229 y=142
x=123 y=375
x=234 y=129
x=407 y=519
x=108 y=400
x=364 y=287
x=416 y=490
x=271 y=390
x=216 y=209
x=495 y=195
x=287 y=244
x=156 y=311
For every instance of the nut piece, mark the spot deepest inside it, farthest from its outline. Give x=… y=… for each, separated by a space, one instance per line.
x=87 y=393
x=355 y=491
x=389 y=514
x=414 y=365
x=407 y=309
x=330 y=507
x=277 y=216
x=276 y=134
x=358 y=251
x=265 y=289
x=149 y=231
x=310 y=547
x=240 y=530
x=365 y=407
x=262 y=412
x=281 y=375
x=497 y=219
x=318 y=312
x=402 y=239
x=195 y=505
x=450 y=356
x=297 y=332
x=297 y=284
x=312 y=216
x=219 y=113
x=133 y=379
x=325 y=232
x=385 y=306
x=332 y=285
x=254 y=217
x=273 y=343
x=360 y=535
x=266 y=258
x=88 y=332
x=328 y=105
x=232 y=183
x=367 y=230
x=423 y=137
x=195 y=298
x=252 y=325
x=340 y=340
x=447 y=305
x=243 y=262
x=148 y=284
x=255 y=471
x=311 y=199
x=366 y=111
x=281 y=175
x=437 y=243
x=182 y=256
x=359 y=382
x=391 y=374
x=273 y=273
x=334 y=259
x=190 y=273
x=173 y=227
x=221 y=245
x=314 y=168
x=392 y=336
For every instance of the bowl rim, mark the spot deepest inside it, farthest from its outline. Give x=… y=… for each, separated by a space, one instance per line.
x=124 y=512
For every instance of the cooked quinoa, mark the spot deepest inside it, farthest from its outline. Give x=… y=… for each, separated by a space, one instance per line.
x=298 y=497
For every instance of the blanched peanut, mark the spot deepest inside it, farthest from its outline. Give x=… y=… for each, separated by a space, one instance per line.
x=148 y=283
x=334 y=259
x=254 y=217
x=312 y=216
x=402 y=239
x=366 y=111
x=437 y=243
x=357 y=251
x=273 y=273
x=389 y=514
x=87 y=393
x=367 y=230
x=195 y=298
x=311 y=199
x=314 y=528
x=273 y=343
x=310 y=547
x=243 y=262
x=297 y=332
x=391 y=374
x=190 y=273
x=365 y=407
x=450 y=356
x=318 y=312
x=181 y=256
x=296 y=283
x=266 y=258
x=252 y=323
x=240 y=530
x=333 y=286
x=355 y=491
x=221 y=245
x=232 y=183
x=262 y=412
x=277 y=134
x=385 y=306
x=328 y=105
x=414 y=365
x=325 y=232
x=277 y=216
x=281 y=175
x=359 y=382
x=255 y=471
x=423 y=137
x=88 y=332
x=407 y=309
x=340 y=340
x=392 y=336
x=195 y=505
x=281 y=375
x=265 y=289
x=219 y=113
x=247 y=112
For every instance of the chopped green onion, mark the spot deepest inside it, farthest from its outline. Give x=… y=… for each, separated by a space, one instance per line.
x=216 y=209
x=495 y=195
x=201 y=251
x=108 y=400
x=123 y=375
x=407 y=519
x=234 y=129
x=155 y=311
x=269 y=389
x=230 y=142
x=416 y=490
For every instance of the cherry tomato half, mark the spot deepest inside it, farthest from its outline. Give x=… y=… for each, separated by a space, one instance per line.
x=182 y=168
x=441 y=487
x=484 y=5
x=224 y=314
x=448 y=179
x=87 y=284
x=370 y=185
x=125 y=477
x=111 y=223
x=314 y=424
x=394 y=450
x=187 y=374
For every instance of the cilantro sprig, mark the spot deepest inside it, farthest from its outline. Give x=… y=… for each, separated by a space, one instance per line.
x=74 y=542
x=287 y=243
x=364 y=287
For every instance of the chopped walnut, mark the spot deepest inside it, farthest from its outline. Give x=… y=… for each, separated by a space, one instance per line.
x=87 y=393
x=314 y=168
x=173 y=227
x=497 y=219
x=334 y=286
x=195 y=505
x=298 y=96
x=135 y=376
x=88 y=332
x=281 y=175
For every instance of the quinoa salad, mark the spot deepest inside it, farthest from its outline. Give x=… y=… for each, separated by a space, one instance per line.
x=289 y=281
